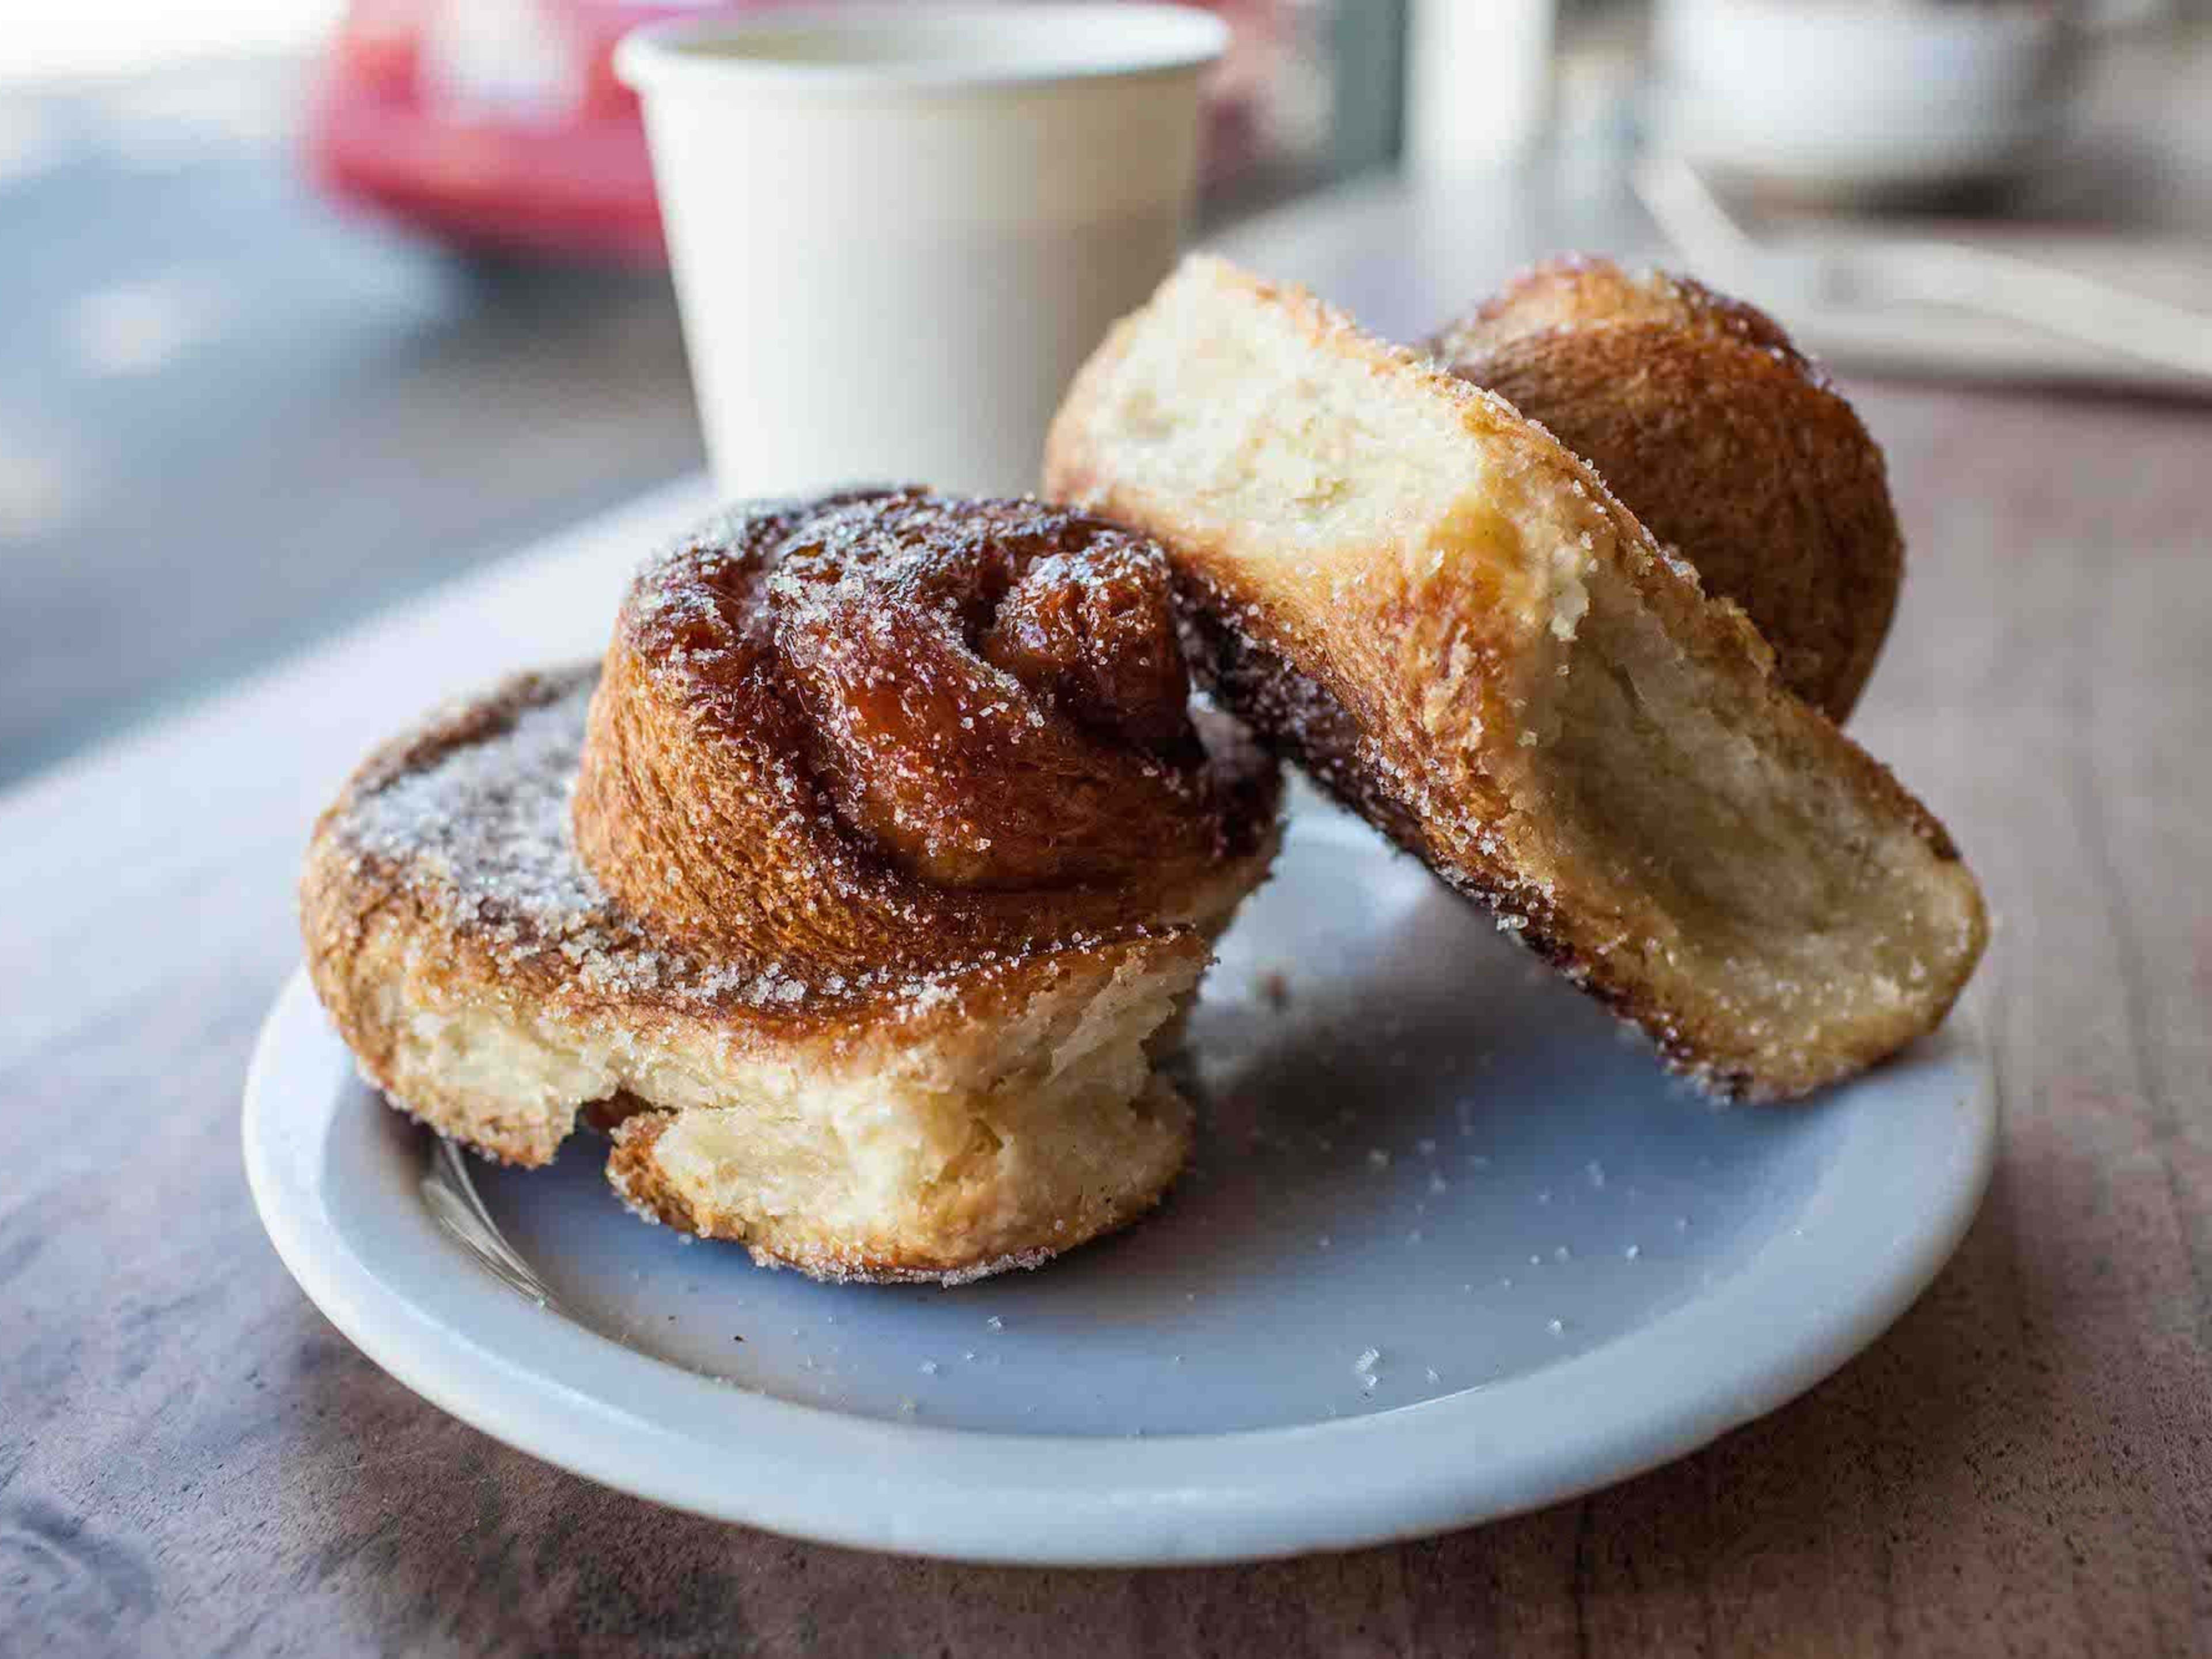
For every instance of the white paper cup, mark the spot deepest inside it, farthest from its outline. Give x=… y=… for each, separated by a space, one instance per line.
x=897 y=230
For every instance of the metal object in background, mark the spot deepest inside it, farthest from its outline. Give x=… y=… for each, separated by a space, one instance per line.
x=1881 y=272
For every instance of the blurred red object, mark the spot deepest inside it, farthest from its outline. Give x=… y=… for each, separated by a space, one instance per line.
x=498 y=126
x=493 y=125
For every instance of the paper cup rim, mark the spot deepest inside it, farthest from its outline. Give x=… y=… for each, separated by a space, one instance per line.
x=1174 y=39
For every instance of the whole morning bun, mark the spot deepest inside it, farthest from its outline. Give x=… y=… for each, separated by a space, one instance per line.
x=857 y=889
x=1725 y=443
x=1431 y=603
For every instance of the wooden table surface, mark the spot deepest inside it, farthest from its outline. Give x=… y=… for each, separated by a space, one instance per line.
x=193 y=1461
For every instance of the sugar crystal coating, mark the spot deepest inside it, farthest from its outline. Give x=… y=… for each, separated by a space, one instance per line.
x=480 y=834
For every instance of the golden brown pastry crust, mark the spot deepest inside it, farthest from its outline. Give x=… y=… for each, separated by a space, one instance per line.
x=837 y=1098
x=1429 y=602
x=1728 y=445
x=862 y=731
x=640 y=1178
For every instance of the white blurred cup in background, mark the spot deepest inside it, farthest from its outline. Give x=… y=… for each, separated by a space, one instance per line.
x=897 y=230
x=1863 y=98
x=1478 y=83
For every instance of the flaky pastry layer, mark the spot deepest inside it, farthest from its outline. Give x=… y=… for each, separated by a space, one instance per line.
x=1432 y=603
x=884 y=1125
x=1726 y=444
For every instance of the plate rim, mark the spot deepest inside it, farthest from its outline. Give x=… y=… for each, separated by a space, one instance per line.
x=914 y=1488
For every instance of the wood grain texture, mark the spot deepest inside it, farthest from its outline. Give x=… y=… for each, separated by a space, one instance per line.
x=193 y=1461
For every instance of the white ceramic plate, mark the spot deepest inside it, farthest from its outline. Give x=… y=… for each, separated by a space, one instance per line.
x=1416 y=1143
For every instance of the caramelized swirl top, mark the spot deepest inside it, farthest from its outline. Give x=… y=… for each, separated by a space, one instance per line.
x=948 y=725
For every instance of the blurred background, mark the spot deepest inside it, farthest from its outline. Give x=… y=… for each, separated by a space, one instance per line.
x=304 y=305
